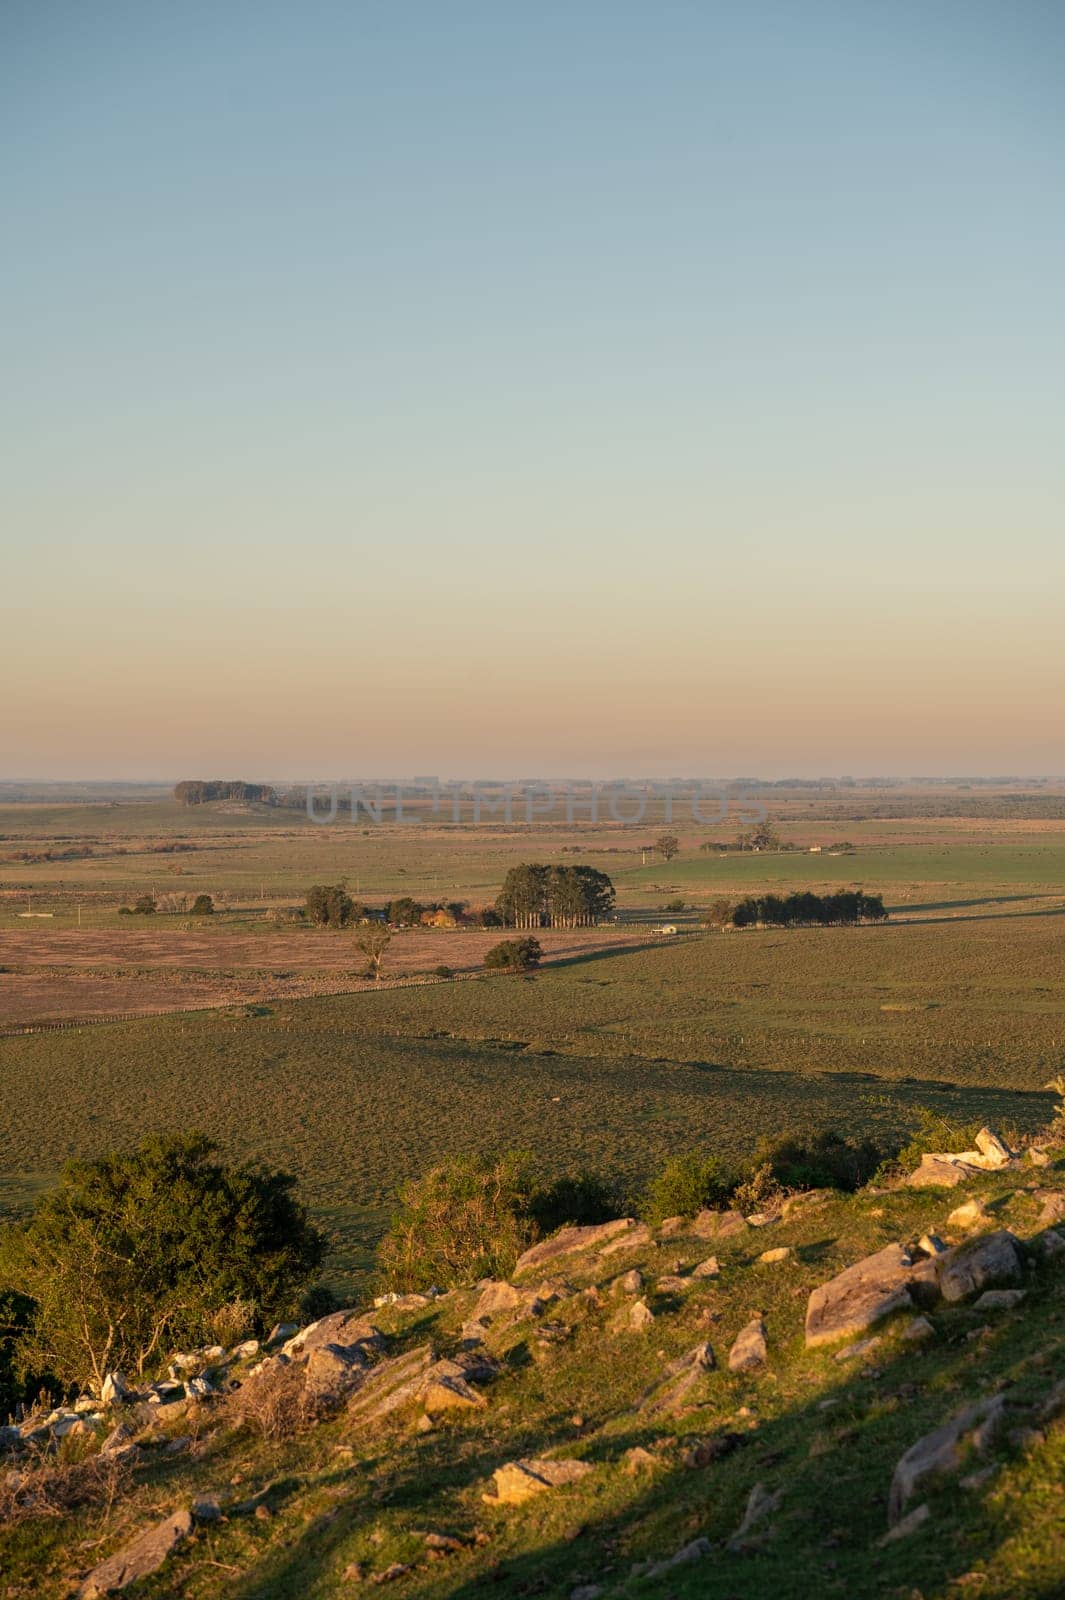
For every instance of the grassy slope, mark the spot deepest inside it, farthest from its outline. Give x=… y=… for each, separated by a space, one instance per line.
x=824 y=1434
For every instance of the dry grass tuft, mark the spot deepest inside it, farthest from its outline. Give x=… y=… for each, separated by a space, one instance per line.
x=44 y=1484
x=275 y=1403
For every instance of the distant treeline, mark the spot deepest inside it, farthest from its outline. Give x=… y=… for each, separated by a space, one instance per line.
x=798 y=910
x=197 y=791
x=535 y=896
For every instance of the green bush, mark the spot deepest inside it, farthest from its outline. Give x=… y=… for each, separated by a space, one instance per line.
x=464 y=1220
x=576 y=1200
x=203 y=906
x=933 y=1131
x=514 y=955
x=137 y=1251
x=443 y=972
x=686 y=1184
x=820 y=1161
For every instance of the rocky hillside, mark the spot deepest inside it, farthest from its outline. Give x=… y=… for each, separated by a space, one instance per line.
x=857 y=1396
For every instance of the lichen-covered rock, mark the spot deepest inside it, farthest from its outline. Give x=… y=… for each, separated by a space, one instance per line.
x=749 y=1349
x=864 y=1294
x=943 y=1450
x=989 y=1262
x=518 y=1481
x=140 y=1559
x=999 y=1300
x=570 y=1241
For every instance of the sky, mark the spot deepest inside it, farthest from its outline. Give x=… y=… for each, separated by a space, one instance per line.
x=563 y=388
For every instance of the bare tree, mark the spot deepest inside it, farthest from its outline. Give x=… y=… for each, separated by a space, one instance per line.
x=373 y=939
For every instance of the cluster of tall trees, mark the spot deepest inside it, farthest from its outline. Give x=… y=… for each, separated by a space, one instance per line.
x=535 y=896
x=798 y=910
x=197 y=791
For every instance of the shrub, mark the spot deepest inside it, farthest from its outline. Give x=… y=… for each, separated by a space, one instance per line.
x=142 y=1248
x=464 y=1220
x=274 y=1402
x=823 y=1161
x=145 y=906
x=319 y=1301
x=203 y=906
x=515 y=955
x=55 y=1484
x=686 y=1184
x=443 y=972
x=933 y=1132
x=576 y=1200
x=1055 y=1129
x=674 y=905
x=759 y=1191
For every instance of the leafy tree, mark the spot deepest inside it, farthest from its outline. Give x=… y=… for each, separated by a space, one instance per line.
x=717 y=914
x=141 y=1248
x=515 y=955
x=686 y=1184
x=763 y=836
x=145 y=905
x=404 y=912
x=668 y=846
x=203 y=906
x=373 y=939
x=329 y=905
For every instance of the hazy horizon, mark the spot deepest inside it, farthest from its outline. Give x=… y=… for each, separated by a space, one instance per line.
x=593 y=387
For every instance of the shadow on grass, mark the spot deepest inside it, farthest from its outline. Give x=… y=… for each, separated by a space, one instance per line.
x=830 y=1457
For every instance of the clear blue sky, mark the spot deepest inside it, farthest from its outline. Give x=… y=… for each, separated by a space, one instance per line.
x=457 y=387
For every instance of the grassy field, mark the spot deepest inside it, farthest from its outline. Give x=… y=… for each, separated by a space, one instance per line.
x=612 y=1057
x=612 y=1061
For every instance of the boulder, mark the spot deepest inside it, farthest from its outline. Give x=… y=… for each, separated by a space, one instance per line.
x=769 y=1258
x=760 y=1507
x=707 y=1269
x=988 y=1262
x=631 y=1240
x=908 y=1524
x=140 y=1559
x=717 y=1224
x=973 y=1214
x=943 y=1450
x=390 y=1385
x=498 y=1299
x=570 y=1241
x=115 y=1391
x=999 y=1300
x=947 y=1168
x=280 y=1332
x=942 y=1171
x=630 y=1282
x=864 y=1294
x=341 y=1330
x=639 y=1317
x=672 y=1284
x=682 y=1376
x=1053 y=1204
x=749 y=1349
x=694 y=1550
x=852 y=1352
x=518 y=1481
x=332 y=1371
